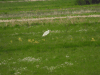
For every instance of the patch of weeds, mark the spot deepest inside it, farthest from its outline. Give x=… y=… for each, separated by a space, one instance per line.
x=17 y=26
x=34 y=24
x=12 y=72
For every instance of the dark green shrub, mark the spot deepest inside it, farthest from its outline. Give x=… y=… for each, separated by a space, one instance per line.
x=84 y=2
x=95 y=1
x=80 y=2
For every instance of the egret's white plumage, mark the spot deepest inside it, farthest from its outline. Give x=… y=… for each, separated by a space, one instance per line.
x=46 y=33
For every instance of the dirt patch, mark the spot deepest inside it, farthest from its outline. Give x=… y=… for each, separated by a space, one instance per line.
x=48 y=18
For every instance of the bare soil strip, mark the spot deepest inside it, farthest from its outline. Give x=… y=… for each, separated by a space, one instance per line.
x=48 y=18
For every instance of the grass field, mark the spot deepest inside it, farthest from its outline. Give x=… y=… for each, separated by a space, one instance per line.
x=17 y=10
x=71 y=48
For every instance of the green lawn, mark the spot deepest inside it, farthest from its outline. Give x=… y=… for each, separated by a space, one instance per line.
x=71 y=48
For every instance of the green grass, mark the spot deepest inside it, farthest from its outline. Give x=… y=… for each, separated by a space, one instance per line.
x=18 y=9
x=37 y=9
x=68 y=49
x=71 y=48
x=38 y=5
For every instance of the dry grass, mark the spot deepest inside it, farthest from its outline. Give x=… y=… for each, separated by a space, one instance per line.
x=49 y=13
x=71 y=20
x=49 y=18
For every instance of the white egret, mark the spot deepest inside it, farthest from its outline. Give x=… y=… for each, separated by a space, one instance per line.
x=46 y=33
